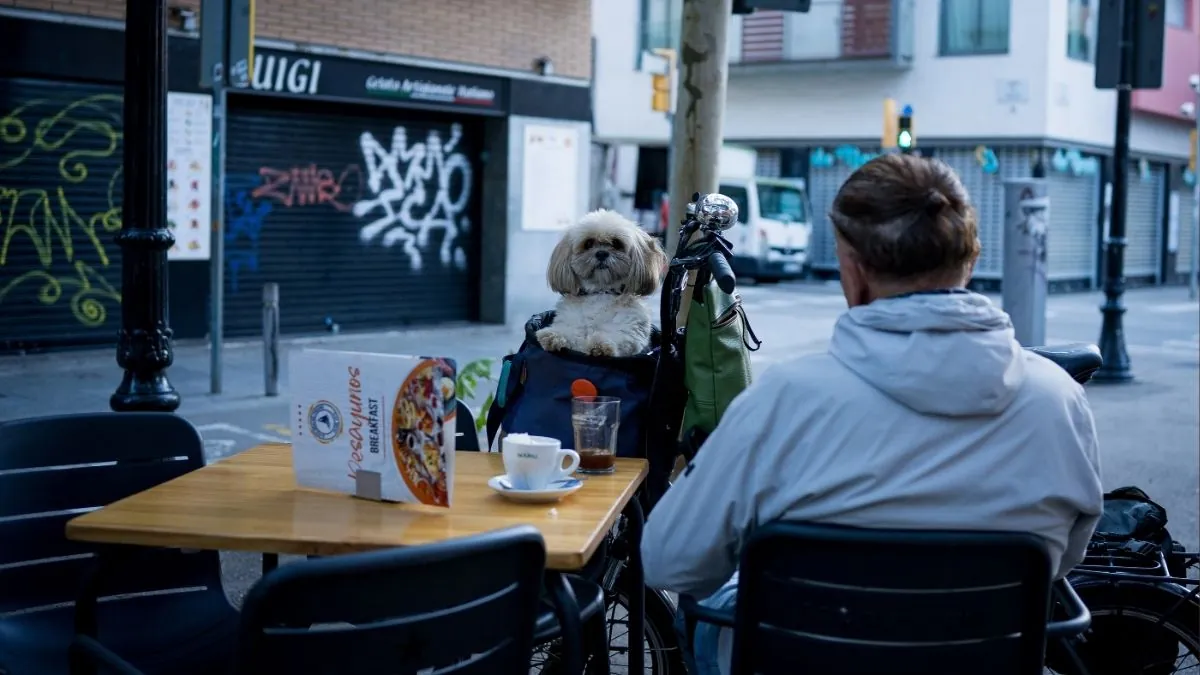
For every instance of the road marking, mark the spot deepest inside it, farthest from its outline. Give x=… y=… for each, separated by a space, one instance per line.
x=1174 y=308
x=229 y=428
x=279 y=429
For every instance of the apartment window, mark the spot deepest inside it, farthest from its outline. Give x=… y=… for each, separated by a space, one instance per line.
x=1177 y=13
x=660 y=24
x=974 y=27
x=1081 y=29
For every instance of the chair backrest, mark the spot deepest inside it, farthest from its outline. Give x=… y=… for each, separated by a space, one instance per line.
x=829 y=599
x=461 y=606
x=53 y=469
x=466 y=437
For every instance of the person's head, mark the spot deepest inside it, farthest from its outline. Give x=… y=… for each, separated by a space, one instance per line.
x=903 y=223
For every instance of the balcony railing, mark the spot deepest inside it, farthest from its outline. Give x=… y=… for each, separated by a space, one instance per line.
x=833 y=33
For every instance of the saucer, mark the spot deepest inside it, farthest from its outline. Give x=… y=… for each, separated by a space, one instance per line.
x=551 y=493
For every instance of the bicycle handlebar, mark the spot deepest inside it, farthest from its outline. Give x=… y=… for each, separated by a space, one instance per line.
x=719 y=266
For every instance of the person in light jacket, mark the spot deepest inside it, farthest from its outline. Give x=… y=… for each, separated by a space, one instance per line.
x=925 y=413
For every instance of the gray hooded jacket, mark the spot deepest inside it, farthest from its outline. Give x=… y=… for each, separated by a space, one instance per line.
x=925 y=413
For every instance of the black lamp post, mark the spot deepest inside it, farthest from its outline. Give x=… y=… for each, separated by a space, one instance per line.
x=144 y=344
x=1116 y=366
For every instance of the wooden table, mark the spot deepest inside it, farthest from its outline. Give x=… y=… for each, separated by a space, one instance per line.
x=250 y=502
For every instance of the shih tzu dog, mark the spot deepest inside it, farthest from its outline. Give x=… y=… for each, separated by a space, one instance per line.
x=603 y=267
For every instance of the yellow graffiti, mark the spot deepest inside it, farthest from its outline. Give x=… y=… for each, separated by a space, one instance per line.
x=43 y=217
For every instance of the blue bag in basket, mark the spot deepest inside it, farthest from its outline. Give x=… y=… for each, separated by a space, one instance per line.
x=534 y=393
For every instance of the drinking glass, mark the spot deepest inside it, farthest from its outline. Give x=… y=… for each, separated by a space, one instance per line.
x=595 y=420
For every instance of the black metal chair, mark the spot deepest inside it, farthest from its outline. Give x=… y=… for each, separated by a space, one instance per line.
x=463 y=606
x=466 y=437
x=841 y=600
x=51 y=470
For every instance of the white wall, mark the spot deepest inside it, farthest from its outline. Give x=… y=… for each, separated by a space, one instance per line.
x=622 y=92
x=525 y=288
x=963 y=96
x=1077 y=112
x=1159 y=136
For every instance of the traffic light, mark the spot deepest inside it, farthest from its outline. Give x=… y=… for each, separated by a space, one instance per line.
x=660 y=100
x=906 y=138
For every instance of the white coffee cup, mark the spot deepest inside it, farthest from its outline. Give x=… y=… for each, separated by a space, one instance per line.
x=534 y=462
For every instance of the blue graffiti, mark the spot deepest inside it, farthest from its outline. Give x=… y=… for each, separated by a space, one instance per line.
x=845 y=155
x=987 y=159
x=1073 y=162
x=244 y=219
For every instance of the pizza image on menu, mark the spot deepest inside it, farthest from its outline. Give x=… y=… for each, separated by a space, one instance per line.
x=422 y=423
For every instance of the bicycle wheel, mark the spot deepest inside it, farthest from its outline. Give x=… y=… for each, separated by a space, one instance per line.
x=660 y=644
x=1138 y=628
x=663 y=655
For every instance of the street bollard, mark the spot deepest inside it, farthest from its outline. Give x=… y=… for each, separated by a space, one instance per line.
x=1024 y=285
x=271 y=338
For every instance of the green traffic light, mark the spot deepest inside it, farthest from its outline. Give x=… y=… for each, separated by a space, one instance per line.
x=904 y=139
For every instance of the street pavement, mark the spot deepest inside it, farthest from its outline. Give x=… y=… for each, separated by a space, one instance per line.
x=1149 y=429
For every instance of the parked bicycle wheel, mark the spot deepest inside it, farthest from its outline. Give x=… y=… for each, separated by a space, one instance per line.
x=1138 y=628
x=660 y=643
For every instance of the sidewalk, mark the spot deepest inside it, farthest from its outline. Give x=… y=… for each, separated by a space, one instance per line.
x=82 y=381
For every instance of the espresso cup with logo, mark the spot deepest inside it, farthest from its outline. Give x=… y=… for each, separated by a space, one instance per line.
x=534 y=462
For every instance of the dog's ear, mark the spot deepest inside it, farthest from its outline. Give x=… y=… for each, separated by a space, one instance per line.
x=649 y=260
x=558 y=272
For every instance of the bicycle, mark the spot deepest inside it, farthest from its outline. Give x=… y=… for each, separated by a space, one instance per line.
x=1145 y=612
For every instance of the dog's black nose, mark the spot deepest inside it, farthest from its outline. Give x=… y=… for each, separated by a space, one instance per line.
x=601 y=255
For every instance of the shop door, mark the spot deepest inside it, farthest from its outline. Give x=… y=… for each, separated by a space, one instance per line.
x=1071 y=242
x=60 y=208
x=1143 y=222
x=365 y=218
x=823 y=185
x=986 y=191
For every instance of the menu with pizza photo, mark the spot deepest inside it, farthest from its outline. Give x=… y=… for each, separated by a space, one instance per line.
x=378 y=426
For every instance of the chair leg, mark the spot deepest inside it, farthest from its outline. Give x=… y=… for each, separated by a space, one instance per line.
x=597 y=645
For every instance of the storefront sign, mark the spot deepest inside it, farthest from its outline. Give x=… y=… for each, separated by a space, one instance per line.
x=297 y=74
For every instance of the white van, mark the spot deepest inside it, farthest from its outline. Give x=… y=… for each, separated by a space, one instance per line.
x=771 y=239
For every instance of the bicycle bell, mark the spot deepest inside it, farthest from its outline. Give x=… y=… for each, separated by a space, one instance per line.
x=716 y=211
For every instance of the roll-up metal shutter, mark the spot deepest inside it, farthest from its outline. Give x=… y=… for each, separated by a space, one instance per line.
x=365 y=218
x=768 y=163
x=1187 y=224
x=1072 y=242
x=60 y=207
x=823 y=185
x=987 y=195
x=1143 y=222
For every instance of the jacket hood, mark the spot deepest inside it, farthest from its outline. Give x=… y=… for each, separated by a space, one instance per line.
x=950 y=354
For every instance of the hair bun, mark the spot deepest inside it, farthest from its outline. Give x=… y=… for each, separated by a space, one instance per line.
x=935 y=201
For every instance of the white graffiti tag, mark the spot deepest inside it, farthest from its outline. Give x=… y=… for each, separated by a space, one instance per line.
x=401 y=179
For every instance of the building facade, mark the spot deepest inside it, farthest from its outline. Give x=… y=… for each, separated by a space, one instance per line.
x=996 y=86
x=377 y=168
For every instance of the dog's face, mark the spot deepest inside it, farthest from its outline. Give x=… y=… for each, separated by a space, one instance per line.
x=606 y=253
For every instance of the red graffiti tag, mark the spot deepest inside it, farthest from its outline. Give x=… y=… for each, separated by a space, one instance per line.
x=310 y=186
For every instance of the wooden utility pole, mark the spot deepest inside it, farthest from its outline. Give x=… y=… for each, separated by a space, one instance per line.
x=699 y=108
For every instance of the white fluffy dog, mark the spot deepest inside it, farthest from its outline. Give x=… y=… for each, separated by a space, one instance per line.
x=603 y=267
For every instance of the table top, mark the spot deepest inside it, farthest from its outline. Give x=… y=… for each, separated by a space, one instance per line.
x=250 y=502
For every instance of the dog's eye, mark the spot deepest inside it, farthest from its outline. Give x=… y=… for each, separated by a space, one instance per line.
x=618 y=245
x=588 y=244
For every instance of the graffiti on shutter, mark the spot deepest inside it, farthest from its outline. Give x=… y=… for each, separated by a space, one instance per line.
x=60 y=196
x=400 y=177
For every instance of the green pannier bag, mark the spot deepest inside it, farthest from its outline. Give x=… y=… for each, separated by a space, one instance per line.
x=716 y=361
